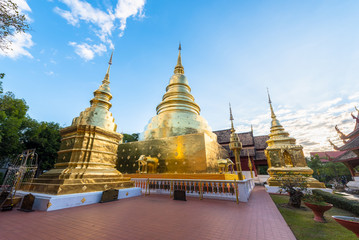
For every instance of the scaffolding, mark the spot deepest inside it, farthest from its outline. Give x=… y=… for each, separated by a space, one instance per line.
x=21 y=169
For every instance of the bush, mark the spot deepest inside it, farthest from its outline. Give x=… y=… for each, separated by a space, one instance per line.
x=338 y=201
x=1 y=177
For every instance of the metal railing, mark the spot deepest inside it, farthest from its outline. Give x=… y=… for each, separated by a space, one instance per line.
x=234 y=190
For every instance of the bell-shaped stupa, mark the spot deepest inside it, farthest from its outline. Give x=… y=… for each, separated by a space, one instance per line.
x=177 y=142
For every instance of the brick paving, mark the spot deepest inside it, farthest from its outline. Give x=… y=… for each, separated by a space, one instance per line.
x=153 y=217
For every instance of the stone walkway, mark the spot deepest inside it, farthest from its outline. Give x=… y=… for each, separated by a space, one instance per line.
x=153 y=217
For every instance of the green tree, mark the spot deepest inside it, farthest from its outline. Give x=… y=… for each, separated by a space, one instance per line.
x=328 y=171
x=11 y=22
x=45 y=137
x=130 y=137
x=19 y=132
x=12 y=116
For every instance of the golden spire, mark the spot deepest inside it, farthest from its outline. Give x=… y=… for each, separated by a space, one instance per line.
x=179 y=68
x=275 y=121
x=98 y=113
x=178 y=95
x=231 y=118
x=107 y=76
x=102 y=95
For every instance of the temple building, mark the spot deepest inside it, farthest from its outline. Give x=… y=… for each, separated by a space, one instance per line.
x=349 y=151
x=177 y=141
x=252 y=147
x=285 y=158
x=88 y=152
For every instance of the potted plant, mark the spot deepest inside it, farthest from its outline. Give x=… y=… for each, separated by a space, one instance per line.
x=350 y=223
x=318 y=206
x=293 y=184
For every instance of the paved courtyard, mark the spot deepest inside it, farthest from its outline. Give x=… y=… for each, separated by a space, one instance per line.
x=153 y=217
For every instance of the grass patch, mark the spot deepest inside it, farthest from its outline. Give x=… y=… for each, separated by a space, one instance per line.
x=304 y=227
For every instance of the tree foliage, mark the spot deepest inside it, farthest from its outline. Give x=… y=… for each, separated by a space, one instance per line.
x=45 y=137
x=130 y=137
x=329 y=171
x=12 y=116
x=11 y=22
x=19 y=132
x=295 y=185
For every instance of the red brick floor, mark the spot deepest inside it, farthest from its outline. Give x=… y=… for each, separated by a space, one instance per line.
x=153 y=217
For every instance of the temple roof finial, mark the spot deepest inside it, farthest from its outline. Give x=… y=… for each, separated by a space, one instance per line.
x=231 y=118
x=179 y=68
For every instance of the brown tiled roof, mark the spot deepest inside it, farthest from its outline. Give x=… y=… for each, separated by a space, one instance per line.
x=260 y=155
x=260 y=141
x=355 y=132
x=223 y=135
x=250 y=150
x=349 y=155
x=254 y=145
x=246 y=138
x=352 y=144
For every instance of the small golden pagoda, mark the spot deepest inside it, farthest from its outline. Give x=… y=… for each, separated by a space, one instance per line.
x=177 y=142
x=88 y=152
x=285 y=158
x=236 y=146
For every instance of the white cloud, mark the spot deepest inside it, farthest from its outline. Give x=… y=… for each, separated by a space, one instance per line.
x=21 y=42
x=354 y=96
x=311 y=126
x=103 y=23
x=86 y=51
x=22 y=5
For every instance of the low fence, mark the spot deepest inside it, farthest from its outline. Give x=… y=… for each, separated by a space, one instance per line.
x=217 y=189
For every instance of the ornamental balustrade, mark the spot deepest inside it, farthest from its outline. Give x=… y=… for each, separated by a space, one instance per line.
x=238 y=191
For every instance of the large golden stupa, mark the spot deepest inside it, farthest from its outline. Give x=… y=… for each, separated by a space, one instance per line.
x=177 y=140
x=88 y=152
x=285 y=158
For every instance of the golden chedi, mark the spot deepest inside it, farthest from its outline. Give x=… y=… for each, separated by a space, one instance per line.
x=285 y=158
x=88 y=152
x=176 y=140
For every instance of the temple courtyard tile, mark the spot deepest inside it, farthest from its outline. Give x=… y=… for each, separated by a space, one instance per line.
x=153 y=217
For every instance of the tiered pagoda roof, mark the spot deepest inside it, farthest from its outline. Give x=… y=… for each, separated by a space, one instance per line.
x=350 y=149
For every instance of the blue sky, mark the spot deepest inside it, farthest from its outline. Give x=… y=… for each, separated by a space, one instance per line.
x=306 y=52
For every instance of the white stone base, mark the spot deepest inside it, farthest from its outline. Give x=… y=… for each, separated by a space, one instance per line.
x=277 y=190
x=47 y=202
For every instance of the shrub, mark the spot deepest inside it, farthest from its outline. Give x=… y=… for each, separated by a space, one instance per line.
x=295 y=185
x=338 y=201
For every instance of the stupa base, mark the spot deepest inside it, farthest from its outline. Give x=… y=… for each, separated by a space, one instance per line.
x=48 y=202
x=79 y=186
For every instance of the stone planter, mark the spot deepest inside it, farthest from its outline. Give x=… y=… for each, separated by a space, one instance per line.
x=350 y=223
x=319 y=210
